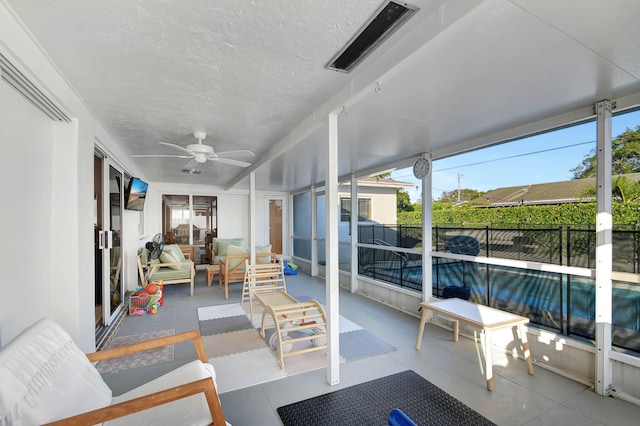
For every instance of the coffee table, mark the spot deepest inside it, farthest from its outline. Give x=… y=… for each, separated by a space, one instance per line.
x=211 y=271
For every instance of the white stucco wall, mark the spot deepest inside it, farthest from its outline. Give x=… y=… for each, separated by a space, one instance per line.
x=47 y=170
x=383 y=202
x=47 y=220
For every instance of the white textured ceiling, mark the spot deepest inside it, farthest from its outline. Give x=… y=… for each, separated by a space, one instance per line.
x=252 y=74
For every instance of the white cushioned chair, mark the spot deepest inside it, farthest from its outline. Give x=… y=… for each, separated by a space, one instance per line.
x=46 y=379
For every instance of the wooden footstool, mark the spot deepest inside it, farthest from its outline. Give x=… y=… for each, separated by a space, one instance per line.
x=211 y=271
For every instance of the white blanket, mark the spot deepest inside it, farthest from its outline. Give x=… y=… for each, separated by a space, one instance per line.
x=44 y=376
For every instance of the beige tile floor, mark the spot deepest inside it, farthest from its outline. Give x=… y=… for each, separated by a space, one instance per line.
x=517 y=399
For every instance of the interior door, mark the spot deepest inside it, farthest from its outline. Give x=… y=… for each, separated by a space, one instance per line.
x=275 y=207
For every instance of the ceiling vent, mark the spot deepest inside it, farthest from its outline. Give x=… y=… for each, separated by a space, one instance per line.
x=22 y=84
x=387 y=19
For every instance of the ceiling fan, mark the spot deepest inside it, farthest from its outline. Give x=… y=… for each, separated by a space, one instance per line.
x=199 y=153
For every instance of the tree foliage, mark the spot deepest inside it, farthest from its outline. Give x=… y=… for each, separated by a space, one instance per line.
x=625 y=156
x=404 y=201
x=623 y=190
x=465 y=195
x=553 y=215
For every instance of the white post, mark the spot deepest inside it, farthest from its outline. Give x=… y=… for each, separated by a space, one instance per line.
x=604 y=248
x=354 y=233
x=314 y=233
x=252 y=218
x=332 y=207
x=427 y=224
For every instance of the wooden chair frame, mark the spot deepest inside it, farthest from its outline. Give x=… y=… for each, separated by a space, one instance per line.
x=206 y=386
x=155 y=266
x=261 y=278
x=236 y=274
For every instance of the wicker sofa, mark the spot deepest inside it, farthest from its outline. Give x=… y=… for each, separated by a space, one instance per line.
x=171 y=267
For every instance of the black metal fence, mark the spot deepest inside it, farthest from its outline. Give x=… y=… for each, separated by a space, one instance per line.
x=560 y=302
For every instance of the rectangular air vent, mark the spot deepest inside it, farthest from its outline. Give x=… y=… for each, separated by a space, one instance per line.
x=388 y=18
x=20 y=82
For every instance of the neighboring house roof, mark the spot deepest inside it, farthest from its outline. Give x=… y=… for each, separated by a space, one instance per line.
x=569 y=191
x=382 y=182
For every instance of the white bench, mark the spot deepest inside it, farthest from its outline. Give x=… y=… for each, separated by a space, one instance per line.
x=484 y=318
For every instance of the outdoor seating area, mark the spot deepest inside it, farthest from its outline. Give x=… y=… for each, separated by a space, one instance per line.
x=329 y=153
x=517 y=399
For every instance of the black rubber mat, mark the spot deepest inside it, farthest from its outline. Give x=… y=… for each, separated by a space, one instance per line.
x=370 y=404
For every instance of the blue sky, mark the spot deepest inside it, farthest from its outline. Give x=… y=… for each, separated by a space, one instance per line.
x=548 y=157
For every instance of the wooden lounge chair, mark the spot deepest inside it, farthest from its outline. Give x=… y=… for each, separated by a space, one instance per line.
x=46 y=379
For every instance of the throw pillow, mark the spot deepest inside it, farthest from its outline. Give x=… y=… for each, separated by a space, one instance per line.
x=174 y=249
x=223 y=245
x=167 y=257
x=263 y=249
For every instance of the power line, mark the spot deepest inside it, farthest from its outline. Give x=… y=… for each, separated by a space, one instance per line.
x=402 y=176
x=516 y=156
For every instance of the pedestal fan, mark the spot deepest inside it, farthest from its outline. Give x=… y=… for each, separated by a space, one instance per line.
x=154 y=248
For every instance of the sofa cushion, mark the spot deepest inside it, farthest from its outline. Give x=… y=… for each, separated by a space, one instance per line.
x=175 y=250
x=168 y=257
x=44 y=377
x=221 y=245
x=263 y=249
x=171 y=274
x=192 y=410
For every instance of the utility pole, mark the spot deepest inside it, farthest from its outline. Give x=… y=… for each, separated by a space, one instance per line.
x=459 y=176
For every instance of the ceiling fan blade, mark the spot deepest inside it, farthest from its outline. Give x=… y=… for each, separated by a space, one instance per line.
x=160 y=156
x=239 y=152
x=232 y=162
x=176 y=146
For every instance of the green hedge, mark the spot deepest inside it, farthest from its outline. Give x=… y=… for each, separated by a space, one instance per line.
x=563 y=214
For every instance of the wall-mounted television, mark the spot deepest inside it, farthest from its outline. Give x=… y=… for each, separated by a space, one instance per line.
x=135 y=195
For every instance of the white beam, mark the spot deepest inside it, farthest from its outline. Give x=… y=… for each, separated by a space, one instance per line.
x=332 y=207
x=314 y=233
x=354 y=233
x=604 y=249
x=427 y=224
x=252 y=218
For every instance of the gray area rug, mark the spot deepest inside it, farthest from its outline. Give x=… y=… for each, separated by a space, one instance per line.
x=371 y=402
x=149 y=357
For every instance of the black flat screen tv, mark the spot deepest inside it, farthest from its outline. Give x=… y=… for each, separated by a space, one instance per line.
x=135 y=194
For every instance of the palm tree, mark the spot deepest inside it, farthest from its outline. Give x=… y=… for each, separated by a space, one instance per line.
x=623 y=190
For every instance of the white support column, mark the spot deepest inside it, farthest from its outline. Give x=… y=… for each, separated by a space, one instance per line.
x=354 y=233
x=332 y=208
x=252 y=218
x=314 y=233
x=427 y=226
x=604 y=248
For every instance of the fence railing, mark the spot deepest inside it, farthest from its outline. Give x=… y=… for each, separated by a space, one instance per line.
x=570 y=245
x=561 y=302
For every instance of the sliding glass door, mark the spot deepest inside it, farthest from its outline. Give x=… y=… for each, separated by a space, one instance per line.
x=108 y=212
